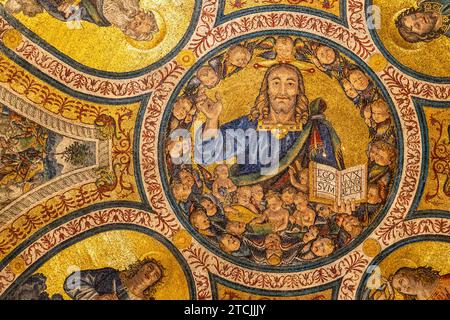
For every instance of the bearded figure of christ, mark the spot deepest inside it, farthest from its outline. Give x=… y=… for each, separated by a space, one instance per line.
x=282 y=124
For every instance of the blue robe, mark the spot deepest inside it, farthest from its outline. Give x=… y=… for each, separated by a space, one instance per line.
x=296 y=145
x=88 y=284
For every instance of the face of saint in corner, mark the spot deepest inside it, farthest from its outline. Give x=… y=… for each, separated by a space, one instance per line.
x=149 y=274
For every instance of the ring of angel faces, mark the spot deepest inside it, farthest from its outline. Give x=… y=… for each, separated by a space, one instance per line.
x=270 y=187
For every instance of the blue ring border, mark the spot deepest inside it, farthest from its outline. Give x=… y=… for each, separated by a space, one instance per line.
x=307 y=265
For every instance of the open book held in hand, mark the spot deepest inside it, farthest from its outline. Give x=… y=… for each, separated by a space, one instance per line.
x=333 y=187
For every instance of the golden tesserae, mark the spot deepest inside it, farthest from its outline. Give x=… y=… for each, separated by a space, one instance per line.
x=224 y=150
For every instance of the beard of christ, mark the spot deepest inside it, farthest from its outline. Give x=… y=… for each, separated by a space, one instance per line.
x=263 y=106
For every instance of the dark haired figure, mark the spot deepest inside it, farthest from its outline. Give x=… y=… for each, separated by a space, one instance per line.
x=137 y=282
x=422 y=283
x=428 y=21
x=304 y=134
x=34 y=288
x=213 y=208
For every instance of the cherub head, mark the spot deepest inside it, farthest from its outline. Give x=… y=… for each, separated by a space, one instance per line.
x=311 y=234
x=274 y=252
x=307 y=217
x=272 y=241
x=199 y=219
x=244 y=195
x=208 y=76
x=367 y=113
x=322 y=247
x=417 y=24
x=238 y=56
x=352 y=225
x=180 y=192
x=358 y=79
x=382 y=153
x=325 y=55
x=301 y=200
x=350 y=91
x=374 y=194
x=229 y=243
x=142 y=26
x=257 y=193
x=182 y=108
x=380 y=111
x=284 y=47
x=209 y=205
x=235 y=228
x=274 y=202
x=29 y=8
x=288 y=195
x=187 y=178
x=221 y=171
x=324 y=211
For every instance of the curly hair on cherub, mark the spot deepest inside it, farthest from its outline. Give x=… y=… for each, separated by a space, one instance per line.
x=29 y=8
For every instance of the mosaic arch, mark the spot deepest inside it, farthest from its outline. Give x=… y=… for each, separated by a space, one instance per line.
x=119 y=133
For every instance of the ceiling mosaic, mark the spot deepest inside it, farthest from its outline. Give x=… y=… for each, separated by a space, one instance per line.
x=224 y=149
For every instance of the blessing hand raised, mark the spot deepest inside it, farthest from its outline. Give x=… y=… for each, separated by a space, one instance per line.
x=211 y=109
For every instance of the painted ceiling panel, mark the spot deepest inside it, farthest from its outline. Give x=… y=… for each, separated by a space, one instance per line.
x=224 y=149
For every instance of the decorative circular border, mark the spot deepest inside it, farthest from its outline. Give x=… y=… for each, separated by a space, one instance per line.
x=154 y=90
x=307 y=265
